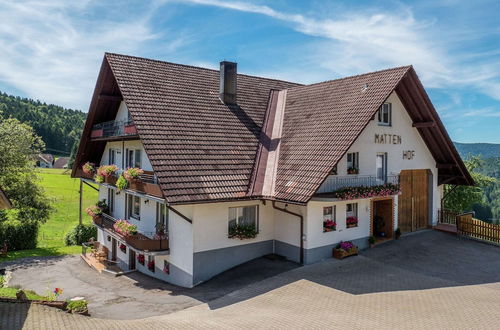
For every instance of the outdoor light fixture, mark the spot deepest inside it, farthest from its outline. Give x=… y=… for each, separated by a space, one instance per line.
x=146 y=201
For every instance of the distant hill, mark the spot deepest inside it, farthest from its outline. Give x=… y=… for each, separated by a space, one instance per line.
x=486 y=150
x=59 y=127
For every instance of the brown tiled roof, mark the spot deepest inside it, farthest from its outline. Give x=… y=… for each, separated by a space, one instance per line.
x=61 y=162
x=199 y=148
x=320 y=124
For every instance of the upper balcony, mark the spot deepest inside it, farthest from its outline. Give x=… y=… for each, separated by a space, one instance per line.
x=140 y=241
x=335 y=184
x=114 y=129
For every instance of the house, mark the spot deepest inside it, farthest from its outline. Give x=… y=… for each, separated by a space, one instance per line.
x=4 y=201
x=45 y=160
x=61 y=162
x=238 y=166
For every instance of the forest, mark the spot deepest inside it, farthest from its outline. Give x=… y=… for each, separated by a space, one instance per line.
x=60 y=128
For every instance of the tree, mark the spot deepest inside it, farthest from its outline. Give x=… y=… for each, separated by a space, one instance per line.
x=18 y=147
x=462 y=198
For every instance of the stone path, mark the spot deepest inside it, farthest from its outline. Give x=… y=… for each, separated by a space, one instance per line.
x=426 y=281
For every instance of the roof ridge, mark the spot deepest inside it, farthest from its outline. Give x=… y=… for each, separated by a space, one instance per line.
x=357 y=75
x=202 y=68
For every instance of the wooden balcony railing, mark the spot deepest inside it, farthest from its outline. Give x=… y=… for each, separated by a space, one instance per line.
x=145 y=241
x=448 y=217
x=335 y=183
x=114 y=128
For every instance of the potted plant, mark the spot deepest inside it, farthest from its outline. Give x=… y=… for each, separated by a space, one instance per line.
x=88 y=168
x=242 y=231
x=141 y=258
x=351 y=222
x=95 y=212
x=133 y=173
x=397 y=233
x=121 y=183
x=345 y=249
x=371 y=241
x=125 y=228
x=108 y=172
x=329 y=225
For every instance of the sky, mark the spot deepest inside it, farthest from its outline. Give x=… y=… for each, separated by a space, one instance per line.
x=51 y=50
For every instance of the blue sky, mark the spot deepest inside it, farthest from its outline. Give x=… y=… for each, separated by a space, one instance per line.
x=52 y=49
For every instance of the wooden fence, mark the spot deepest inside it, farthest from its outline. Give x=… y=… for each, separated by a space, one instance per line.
x=474 y=228
x=447 y=216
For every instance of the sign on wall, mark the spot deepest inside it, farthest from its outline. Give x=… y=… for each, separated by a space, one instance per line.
x=387 y=139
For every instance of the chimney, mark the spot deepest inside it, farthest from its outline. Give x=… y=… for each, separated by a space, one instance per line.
x=227 y=91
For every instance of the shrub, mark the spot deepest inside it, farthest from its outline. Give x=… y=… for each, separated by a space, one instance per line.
x=18 y=235
x=77 y=306
x=80 y=234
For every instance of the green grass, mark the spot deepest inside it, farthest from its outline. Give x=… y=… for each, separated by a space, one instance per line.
x=6 y=292
x=60 y=187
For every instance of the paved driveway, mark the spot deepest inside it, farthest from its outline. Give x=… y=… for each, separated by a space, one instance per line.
x=424 y=281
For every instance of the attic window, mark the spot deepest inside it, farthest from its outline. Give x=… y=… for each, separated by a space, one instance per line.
x=385 y=115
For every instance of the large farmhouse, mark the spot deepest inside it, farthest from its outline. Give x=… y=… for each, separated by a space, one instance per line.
x=228 y=167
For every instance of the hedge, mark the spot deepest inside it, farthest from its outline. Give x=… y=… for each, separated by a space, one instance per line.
x=80 y=234
x=18 y=235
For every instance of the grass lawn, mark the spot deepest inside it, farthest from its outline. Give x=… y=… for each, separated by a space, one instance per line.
x=64 y=191
x=6 y=292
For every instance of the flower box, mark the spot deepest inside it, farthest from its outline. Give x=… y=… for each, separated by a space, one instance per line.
x=97 y=220
x=110 y=180
x=341 y=254
x=351 y=225
x=326 y=229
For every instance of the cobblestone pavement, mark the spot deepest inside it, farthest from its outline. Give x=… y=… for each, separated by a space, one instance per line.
x=425 y=281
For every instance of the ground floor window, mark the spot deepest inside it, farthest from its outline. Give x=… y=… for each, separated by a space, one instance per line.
x=351 y=215
x=243 y=221
x=329 y=219
x=151 y=263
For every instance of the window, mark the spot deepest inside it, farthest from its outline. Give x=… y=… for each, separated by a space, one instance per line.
x=329 y=219
x=133 y=158
x=352 y=162
x=385 y=115
x=334 y=170
x=161 y=219
x=351 y=215
x=111 y=156
x=111 y=200
x=134 y=207
x=381 y=167
x=245 y=215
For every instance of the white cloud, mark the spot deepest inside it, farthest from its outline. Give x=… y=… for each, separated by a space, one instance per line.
x=51 y=50
x=484 y=112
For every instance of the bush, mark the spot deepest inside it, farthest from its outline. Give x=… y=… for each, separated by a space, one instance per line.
x=18 y=235
x=77 y=306
x=80 y=234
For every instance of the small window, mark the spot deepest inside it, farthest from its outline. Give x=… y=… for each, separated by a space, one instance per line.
x=351 y=215
x=352 y=162
x=161 y=219
x=244 y=216
x=334 y=170
x=385 y=115
x=111 y=201
x=329 y=219
x=134 y=207
x=133 y=158
x=112 y=157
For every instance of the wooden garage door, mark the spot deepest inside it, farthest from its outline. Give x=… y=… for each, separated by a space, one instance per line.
x=413 y=208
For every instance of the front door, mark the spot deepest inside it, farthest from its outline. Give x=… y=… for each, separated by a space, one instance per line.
x=131 y=259
x=415 y=200
x=113 y=249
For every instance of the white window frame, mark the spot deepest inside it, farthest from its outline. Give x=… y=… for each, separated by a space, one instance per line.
x=333 y=215
x=352 y=159
x=239 y=213
x=131 y=158
x=385 y=115
x=130 y=207
x=353 y=212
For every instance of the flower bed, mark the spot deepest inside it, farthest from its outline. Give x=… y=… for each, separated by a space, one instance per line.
x=125 y=228
x=329 y=225
x=345 y=249
x=384 y=190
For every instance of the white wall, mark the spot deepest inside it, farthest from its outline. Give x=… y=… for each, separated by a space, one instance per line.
x=210 y=223
x=410 y=140
x=122 y=114
x=287 y=226
x=181 y=239
x=120 y=157
x=315 y=237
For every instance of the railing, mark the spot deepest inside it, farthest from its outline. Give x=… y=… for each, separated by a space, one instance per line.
x=144 y=241
x=477 y=229
x=447 y=217
x=113 y=128
x=335 y=183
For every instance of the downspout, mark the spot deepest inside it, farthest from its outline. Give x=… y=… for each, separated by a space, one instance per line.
x=301 y=229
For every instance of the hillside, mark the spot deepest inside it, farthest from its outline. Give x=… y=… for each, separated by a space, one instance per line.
x=486 y=150
x=59 y=127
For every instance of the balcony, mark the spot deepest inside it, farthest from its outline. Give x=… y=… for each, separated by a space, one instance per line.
x=140 y=241
x=114 y=129
x=336 y=183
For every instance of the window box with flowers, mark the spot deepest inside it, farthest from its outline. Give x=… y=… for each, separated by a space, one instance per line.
x=133 y=174
x=345 y=249
x=125 y=228
x=123 y=248
x=88 y=168
x=106 y=173
x=151 y=265
x=361 y=192
x=329 y=223
x=141 y=258
x=351 y=222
